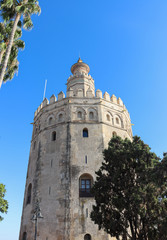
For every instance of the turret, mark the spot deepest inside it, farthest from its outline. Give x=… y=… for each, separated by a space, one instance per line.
x=80 y=80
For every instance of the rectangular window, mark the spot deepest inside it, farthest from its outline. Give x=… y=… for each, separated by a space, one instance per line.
x=85 y=185
x=86 y=212
x=86 y=159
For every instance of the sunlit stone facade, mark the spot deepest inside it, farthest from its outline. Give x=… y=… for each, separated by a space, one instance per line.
x=69 y=135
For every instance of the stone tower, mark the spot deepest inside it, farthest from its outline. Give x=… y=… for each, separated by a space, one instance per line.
x=69 y=135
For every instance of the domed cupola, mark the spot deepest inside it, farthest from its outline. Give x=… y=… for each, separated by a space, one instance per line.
x=80 y=67
x=80 y=80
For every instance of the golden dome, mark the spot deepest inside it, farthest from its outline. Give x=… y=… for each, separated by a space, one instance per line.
x=80 y=66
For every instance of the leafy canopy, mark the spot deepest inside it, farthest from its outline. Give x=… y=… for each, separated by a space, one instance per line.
x=130 y=198
x=12 y=66
x=3 y=202
x=15 y=14
x=25 y=8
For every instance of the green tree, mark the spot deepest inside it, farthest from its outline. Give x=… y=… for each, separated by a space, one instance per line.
x=12 y=66
x=160 y=178
x=18 y=11
x=3 y=202
x=130 y=198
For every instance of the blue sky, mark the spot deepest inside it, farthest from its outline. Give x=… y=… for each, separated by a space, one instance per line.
x=125 y=45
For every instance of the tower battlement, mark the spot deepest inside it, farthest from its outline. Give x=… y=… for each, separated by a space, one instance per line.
x=70 y=95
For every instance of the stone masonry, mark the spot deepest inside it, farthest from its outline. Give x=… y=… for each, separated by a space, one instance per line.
x=69 y=135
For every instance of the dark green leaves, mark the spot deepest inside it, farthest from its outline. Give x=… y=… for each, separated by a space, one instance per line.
x=130 y=198
x=3 y=202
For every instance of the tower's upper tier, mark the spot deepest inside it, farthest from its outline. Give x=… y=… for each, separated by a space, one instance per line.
x=80 y=80
x=81 y=98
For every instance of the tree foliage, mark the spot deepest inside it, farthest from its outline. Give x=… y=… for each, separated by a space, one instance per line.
x=3 y=202
x=130 y=192
x=16 y=14
x=12 y=66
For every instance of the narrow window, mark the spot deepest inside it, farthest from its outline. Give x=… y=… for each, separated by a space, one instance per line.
x=86 y=212
x=114 y=134
x=85 y=132
x=86 y=159
x=117 y=120
x=108 y=117
x=29 y=194
x=34 y=145
x=50 y=120
x=91 y=115
x=53 y=136
x=51 y=163
x=49 y=190
x=87 y=237
x=79 y=115
x=24 y=236
x=60 y=117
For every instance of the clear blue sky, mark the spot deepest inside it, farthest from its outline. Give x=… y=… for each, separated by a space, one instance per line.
x=125 y=45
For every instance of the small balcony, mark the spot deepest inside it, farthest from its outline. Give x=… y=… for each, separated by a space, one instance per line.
x=85 y=193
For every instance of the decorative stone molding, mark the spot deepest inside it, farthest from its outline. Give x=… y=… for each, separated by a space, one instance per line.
x=98 y=93
x=113 y=99
x=89 y=93
x=106 y=96
x=61 y=95
x=120 y=102
x=70 y=93
x=52 y=99
x=79 y=93
x=45 y=102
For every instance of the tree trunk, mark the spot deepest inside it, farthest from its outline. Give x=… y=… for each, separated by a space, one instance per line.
x=1 y=55
x=8 y=51
x=132 y=230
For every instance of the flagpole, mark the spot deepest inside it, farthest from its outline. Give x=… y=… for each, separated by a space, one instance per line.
x=44 y=89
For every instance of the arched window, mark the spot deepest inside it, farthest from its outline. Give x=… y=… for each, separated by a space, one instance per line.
x=50 y=120
x=24 y=236
x=29 y=194
x=54 y=136
x=108 y=117
x=117 y=120
x=79 y=115
x=85 y=132
x=85 y=185
x=91 y=115
x=87 y=237
x=60 y=117
x=114 y=134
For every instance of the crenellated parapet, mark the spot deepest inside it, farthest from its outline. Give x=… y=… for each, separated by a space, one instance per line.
x=80 y=95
